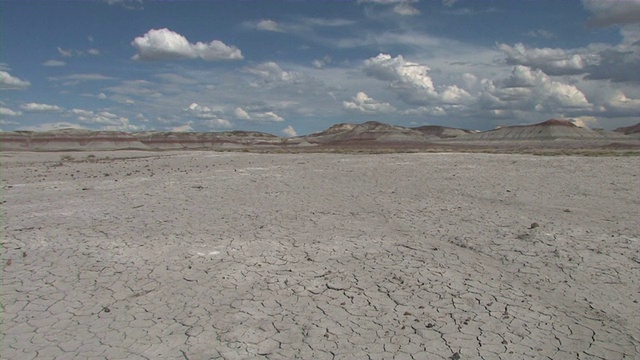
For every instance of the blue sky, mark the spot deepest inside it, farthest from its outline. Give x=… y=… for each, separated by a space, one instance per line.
x=296 y=67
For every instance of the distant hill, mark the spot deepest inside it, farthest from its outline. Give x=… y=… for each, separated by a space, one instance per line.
x=80 y=139
x=633 y=130
x=553 y=129
x=442 y=132
x=369 y=135
x=368 y=132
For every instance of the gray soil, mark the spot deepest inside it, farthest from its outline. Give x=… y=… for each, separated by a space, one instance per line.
x=203 y=255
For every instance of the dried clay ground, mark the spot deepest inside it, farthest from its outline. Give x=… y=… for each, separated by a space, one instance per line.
x=201 y=255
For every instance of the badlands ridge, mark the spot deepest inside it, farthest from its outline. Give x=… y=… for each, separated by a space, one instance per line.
x=551 y=134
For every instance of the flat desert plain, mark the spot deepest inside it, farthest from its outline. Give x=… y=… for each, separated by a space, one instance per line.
x=201 y=255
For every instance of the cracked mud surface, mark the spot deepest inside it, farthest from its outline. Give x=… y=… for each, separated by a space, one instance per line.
x=203 y=255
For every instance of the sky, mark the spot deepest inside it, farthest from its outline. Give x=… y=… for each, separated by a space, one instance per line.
x=297 y=67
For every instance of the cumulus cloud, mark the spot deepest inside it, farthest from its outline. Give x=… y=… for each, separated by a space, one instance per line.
x=289 y=131
x=551 y=61
x=107 y=120
x=54 y=63
x=257 y=116
x=531 y=89
x=617 y=103
x=98 y=118
x=616 y=63
x=94 y=52
x=268 y=25
x=8 y=112
x=271 y=72
x=35 y=107
x=411 y=81
x=362 y=103
x=399 y=72
x=164 y=44
x=9 y=82
x=241 y=114
x=608 y=13
x=212 y=117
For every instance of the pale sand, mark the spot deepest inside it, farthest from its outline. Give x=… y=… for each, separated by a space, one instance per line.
x=204 y=255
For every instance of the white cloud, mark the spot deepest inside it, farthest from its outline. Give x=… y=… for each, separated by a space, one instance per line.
x=320 y=63
x=127 y=4
x=241 y=114
x=8 y=112
x=289 y=131
x=586 y=122
x=426 y=110
x=551 y=61
x=75 y=79
x=411 y=81
x=54 y=63
x=362 y=103
x=52 y=126
x=211 y=116
x=164 y=44
x=65 y=53
x=269 y=116
x=257 y=116
x=617 y=103
x=532 y=90
x=102 y=96
x=182 y=128
x=35 y=107
x=406 y=9
x=272 y=72
x=105 y=118
x=455 y=95
x=540 y=33
x=268 y=25
x=93 y=52
x=399 y=72
x=9 y=82
x=200 y=111
x=599 y=62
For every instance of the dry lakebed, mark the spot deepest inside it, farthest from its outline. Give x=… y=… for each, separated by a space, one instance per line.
x=205 y=255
